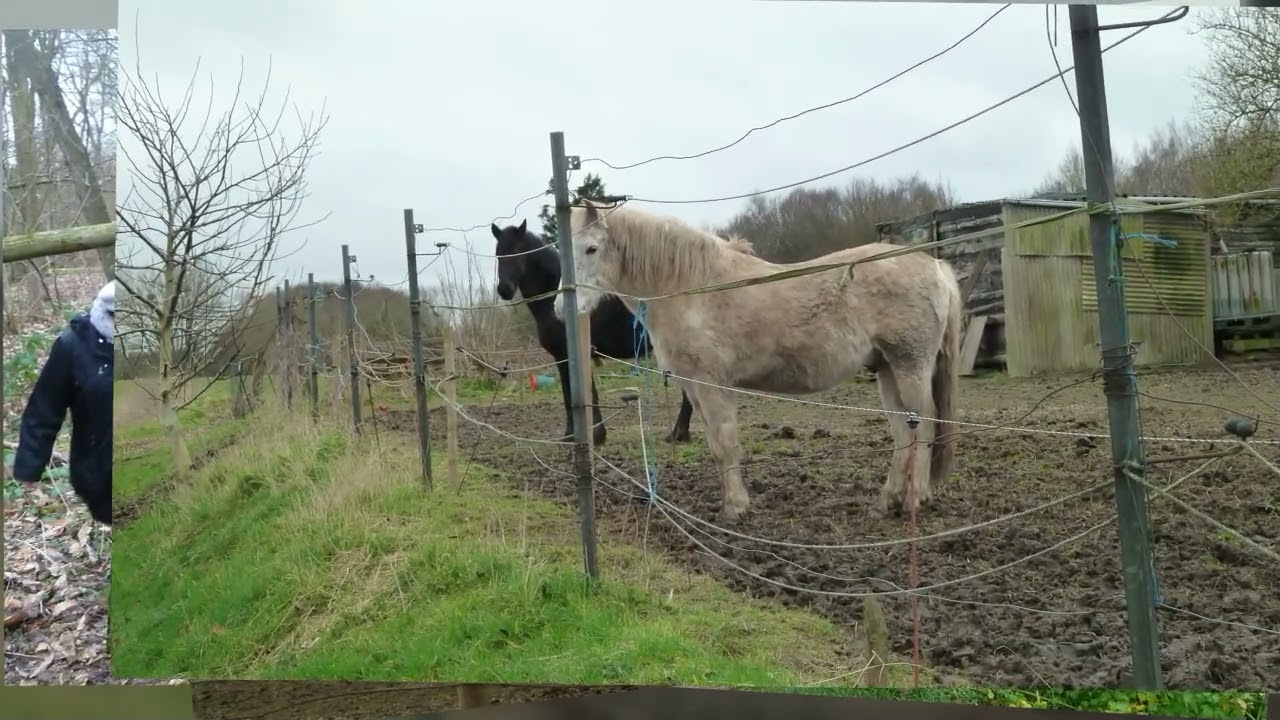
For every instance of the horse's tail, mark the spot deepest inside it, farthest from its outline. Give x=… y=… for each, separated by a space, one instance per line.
x=946 y=378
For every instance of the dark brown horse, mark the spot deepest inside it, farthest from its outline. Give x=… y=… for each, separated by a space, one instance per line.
x=532 y=267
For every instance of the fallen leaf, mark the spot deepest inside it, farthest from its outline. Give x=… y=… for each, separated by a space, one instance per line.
x=63 y=607
x=16 y=612
x=54 y=528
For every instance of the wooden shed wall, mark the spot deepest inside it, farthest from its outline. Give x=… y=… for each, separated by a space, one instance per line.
x=987 y=296
x=1051 y=317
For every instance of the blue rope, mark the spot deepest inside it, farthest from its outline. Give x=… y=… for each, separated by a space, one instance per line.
x=1151 y=237
x=639 y=333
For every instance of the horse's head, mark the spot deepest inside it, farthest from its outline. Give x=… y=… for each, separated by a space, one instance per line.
x=590 y=233
x=516 y=251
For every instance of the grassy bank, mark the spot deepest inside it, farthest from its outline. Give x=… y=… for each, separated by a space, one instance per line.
x=141 y=453
x=300 y=553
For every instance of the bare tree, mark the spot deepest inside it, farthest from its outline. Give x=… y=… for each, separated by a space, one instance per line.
x=32 y=56
x=46 y=191
x=1239 y=102
x=1166 y=163
x=213 y=195
x=806 y=223
x=1066 y=177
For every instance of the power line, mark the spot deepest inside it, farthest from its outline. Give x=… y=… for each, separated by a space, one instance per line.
x=473 y=228
x=895 y=150
x=806 y=111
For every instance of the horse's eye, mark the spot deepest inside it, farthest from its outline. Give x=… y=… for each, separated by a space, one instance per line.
x=591 y=249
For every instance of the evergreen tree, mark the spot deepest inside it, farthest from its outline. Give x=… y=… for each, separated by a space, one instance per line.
x=591 y=188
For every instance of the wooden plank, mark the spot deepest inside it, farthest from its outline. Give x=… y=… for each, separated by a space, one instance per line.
x=972 y=341
x=975 y=272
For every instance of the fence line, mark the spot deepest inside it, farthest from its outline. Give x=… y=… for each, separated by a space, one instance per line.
x=363 y=356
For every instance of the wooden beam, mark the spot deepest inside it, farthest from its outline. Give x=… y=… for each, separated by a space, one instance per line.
x=59 y=242
x=975 y=271
x=971 y=343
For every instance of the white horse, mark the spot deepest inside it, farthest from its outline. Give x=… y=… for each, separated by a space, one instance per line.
x=899 y=316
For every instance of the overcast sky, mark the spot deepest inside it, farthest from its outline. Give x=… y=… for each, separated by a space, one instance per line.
x=446 y=107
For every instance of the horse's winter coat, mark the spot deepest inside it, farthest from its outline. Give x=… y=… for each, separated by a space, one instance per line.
x=898 y=315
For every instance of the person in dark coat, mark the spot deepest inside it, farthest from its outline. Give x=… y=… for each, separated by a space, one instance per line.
x=77 y=376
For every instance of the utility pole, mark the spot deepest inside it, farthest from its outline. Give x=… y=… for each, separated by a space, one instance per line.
x=354 y=369
x=577 y=393
x=313 y=348
x=1119 y=381
x=411 y=230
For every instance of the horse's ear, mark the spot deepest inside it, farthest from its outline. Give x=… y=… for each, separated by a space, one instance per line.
x=523 y=224
x=590 y=213
x=497 y=234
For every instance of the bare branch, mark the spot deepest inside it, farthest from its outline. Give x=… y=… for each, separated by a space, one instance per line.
x=212 y=195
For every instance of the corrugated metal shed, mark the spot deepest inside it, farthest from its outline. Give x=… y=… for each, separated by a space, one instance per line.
x=1036 y=285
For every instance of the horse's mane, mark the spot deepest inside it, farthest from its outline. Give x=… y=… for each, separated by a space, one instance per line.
x=658 y=249
x=740 y=244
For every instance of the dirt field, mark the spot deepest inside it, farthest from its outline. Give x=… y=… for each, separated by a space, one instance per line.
x=1057 y=619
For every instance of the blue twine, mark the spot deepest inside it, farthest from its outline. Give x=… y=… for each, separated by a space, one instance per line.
x=1152 y=237
x=639 y=332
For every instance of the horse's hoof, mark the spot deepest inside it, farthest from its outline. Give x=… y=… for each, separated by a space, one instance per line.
x=890 y=506
x=677 y=437
x=599 y=437
x=732 y=516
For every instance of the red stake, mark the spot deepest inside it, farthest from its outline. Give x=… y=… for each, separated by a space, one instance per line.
x=913 y=576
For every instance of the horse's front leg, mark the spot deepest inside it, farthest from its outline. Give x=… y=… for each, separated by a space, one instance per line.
x=598 y=433
x=562 y=366
x=720 y=415
x=680 y=433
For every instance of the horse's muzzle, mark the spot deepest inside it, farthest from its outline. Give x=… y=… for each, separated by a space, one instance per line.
x=506 y=291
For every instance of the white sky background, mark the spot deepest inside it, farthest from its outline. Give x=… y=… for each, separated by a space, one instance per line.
x=446 y=107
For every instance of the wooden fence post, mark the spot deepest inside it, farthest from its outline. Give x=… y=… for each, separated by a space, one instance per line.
x=451 y=412
x=583 y=350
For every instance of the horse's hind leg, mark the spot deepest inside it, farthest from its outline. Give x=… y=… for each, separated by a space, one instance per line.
x=905 y=390
x=893 y=492
x=680 y=433
x=720 y=415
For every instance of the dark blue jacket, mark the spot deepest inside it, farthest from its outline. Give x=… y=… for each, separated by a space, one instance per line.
x=77 y=376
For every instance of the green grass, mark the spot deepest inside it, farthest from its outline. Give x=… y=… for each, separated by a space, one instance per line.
x=301 y=555
x=1215 y=705
x=142 y=457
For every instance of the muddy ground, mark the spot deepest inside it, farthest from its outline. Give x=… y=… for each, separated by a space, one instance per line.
x=1057 y=619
